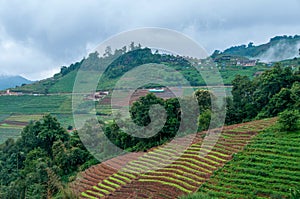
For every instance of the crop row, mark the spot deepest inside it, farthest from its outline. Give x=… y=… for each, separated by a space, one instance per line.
x=172 y=166
x=268 y=167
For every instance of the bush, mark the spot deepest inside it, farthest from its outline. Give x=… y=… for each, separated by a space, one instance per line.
x=288 y=120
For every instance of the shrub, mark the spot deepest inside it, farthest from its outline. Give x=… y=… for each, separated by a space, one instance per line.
x=288 y=120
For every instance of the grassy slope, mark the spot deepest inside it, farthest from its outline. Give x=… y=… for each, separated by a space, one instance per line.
x=62 y=84
x=183 y=176
x=268 y=167
x=65 y=83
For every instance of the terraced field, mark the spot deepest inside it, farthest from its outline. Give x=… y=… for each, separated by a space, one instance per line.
x=268 y=168
x=17 y=111
x=155 y=174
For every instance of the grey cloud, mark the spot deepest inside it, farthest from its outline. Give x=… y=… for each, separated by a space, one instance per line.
x=63 y=31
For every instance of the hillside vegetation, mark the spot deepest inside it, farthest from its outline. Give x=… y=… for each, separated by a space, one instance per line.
x=268 y=167
x=122 y=62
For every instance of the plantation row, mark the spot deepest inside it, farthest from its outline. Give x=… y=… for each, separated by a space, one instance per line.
x=268 y=167
x=165 y=172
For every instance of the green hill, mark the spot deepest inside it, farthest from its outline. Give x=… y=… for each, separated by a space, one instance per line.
x=234 y=60
x=63 y=81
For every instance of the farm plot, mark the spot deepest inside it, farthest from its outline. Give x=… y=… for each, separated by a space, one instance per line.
x=12 y=125
x=17 y=111
x=156 y=175
x=268 y=168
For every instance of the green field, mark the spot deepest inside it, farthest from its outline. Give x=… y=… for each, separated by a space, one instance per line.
x=15 y=109
x=29 y=104
x=268 y=168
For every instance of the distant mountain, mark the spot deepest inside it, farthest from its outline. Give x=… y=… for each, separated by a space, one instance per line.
x=12 y=81
x=277 y=49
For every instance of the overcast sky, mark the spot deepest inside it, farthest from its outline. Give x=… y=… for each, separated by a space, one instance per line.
x=37 y=37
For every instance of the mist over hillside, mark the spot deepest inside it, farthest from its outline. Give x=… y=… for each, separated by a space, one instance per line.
x=281 y=51
x=277 y=49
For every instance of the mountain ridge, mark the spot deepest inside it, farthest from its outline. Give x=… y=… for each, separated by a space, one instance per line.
x=11 y=81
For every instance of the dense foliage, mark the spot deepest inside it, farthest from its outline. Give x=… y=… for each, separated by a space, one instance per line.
x=44 y=153
x=140 y=115
x=265 y=96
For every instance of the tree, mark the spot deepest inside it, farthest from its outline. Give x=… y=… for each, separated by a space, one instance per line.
x=29 y=139
x=64 y=70
x=108 y=51
x=204 y=120
x=242 y=96
x=139 y=110
x=43 y=145
x=270 y=83
x=49 y=131
x=204 y=98
x=231 y=112
x=279 y=102
x=131 y=46
x=295 y=95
